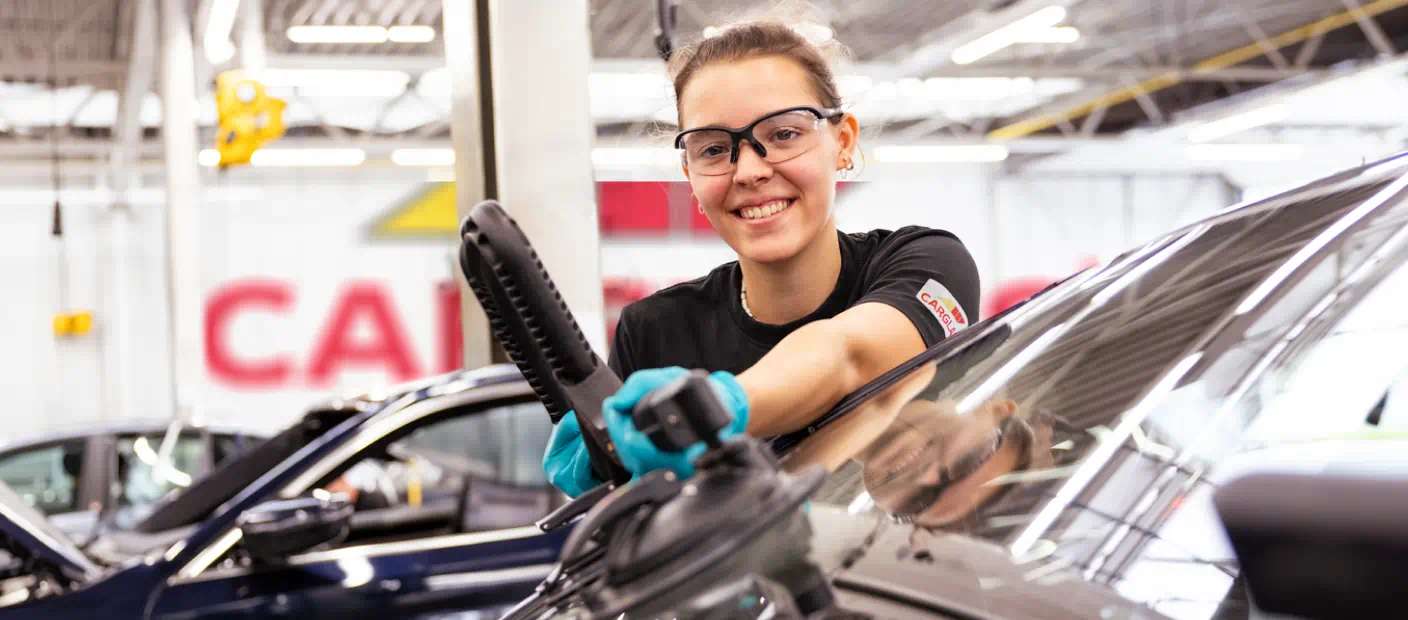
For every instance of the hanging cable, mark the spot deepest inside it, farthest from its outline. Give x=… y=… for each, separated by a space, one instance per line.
x=56 y=169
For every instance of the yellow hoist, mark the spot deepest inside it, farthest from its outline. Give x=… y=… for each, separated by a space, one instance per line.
x=248 y=117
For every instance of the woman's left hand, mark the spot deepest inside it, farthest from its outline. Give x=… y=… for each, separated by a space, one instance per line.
x=638 y=453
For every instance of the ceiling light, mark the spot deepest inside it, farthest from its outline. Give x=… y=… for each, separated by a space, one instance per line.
x=1058 y=34
x=410 y=34
x=338 y=82
x=628 y=157
x=632 y=85
x=1014 y=32
x=946 y=153
x=336 y=34
x=423 y=157
x=289 y=158
x=814 y=33
x=1244 y=152
x=1213 y=130
x=219 y=23
x=209 y=158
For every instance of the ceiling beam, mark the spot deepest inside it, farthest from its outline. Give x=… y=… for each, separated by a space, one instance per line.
x=1050 y=117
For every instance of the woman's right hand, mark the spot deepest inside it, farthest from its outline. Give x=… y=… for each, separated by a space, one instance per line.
x=566 y=461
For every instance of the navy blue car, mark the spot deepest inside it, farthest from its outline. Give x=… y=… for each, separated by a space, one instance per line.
x=417 y=503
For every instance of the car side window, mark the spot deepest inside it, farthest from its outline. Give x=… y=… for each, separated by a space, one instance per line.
x=47 y=477
x=145 y=476
x=478 y=470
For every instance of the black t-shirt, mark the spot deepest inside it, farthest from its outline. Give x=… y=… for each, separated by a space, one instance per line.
x=700 y=324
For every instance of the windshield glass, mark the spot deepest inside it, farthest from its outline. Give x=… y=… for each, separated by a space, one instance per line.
x=1059 y=461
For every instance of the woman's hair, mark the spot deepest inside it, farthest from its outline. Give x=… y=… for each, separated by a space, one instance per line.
x=752 y=40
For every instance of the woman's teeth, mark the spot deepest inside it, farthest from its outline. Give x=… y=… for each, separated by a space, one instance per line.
x=762 y=211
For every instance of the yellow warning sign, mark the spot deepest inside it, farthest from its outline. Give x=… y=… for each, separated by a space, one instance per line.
x=429 y=213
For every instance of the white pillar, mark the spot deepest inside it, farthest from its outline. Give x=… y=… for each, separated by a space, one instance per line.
x=182 y=201
x=543 y=134
x=114 y=313
x=461 y=32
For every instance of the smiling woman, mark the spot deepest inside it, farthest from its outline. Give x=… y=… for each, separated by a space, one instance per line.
x=807 y=313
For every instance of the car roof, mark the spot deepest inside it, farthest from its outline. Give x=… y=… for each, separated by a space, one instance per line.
x=143 y=426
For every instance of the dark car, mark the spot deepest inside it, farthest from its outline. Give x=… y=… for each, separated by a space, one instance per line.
x=418 y=502
x=114 y=473
x=1057 y=461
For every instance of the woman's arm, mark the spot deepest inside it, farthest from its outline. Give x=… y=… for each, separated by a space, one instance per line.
x=817 y=365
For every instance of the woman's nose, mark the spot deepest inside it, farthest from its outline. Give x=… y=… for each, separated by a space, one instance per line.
x=751 y=168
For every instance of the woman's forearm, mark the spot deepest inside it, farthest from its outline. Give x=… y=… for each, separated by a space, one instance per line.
x=820 y=363
x=798 y=380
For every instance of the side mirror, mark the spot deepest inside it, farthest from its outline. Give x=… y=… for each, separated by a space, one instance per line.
x=1319 y=546
x=272 y=531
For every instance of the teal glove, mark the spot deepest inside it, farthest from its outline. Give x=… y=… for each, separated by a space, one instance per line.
x=635 y=449
x=566 y=461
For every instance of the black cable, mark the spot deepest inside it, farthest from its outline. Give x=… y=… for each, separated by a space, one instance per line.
x=56 y=170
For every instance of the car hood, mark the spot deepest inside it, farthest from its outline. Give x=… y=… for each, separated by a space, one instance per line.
x=28 y=534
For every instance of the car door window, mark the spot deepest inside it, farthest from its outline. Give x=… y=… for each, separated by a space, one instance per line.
x=145 y=476
x=474 y=471
x=47 y=477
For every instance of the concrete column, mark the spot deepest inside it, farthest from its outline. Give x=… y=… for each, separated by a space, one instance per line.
x=543 y=134
x=115 y=294
x=178 y=133
x=462 y=30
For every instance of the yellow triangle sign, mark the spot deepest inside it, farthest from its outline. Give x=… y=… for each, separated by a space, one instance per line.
x=429 y=213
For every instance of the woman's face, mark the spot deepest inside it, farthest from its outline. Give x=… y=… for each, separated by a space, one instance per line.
x=734 y=94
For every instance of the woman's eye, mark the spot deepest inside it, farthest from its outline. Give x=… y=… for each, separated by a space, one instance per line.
x=712 y=150
x=784 y=134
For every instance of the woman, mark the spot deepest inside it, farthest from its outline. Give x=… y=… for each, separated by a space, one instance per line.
x=806 y=314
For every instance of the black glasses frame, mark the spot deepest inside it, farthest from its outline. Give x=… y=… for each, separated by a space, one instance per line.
x=738 y=135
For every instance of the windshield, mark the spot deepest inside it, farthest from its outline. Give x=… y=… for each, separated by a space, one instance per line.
x=1059 y=461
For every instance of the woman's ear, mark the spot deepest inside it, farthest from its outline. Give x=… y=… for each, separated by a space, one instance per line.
x=848 y=138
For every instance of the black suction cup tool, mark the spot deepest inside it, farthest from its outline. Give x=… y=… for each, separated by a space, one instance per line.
x=716 y=545
x=737 y=521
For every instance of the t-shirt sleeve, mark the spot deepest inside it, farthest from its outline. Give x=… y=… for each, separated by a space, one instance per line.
x=930 y=277
x=620 y=356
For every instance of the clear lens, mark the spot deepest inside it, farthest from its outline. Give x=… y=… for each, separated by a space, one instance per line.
x=783 y=136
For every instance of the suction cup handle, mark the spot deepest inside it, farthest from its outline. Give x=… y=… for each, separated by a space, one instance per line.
x=537 y=330
x=682 y=413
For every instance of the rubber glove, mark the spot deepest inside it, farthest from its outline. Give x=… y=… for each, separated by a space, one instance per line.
x=637 y=452
x=566 y=461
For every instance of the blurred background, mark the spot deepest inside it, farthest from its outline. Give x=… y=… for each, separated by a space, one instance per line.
x=147 y=276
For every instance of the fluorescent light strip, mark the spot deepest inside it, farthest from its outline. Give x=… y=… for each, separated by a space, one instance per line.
x=423 y=157
x=630 y=157
x=1213 y=130
x=949 y=153
x=219 y=24
x=336 y=34
x=999 y=39
x=360 y=34
x=1058 y=34
x=1244 y=152
x=292 y=158
x=410 y=34
x=338 y=82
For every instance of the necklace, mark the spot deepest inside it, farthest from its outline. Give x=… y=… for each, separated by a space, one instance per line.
x=743 y=299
